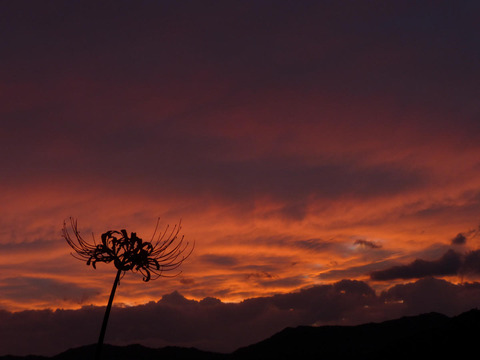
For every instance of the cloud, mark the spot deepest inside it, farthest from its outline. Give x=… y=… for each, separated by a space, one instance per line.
x=316 y=245
x=35 y=290
x=208 y=324
x=290 y=180
x=259 y=275
x=367 y=243
x=432 y=294
x=213 y=325
x=471 y=263
x=285 y=282
x=448 y=264
x=460 y=239
x=222 y=260
x=353 y=271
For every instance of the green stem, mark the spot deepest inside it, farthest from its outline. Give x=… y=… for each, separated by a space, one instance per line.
x=98 y=352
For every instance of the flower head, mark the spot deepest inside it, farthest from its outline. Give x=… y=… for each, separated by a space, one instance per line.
x=150 y=258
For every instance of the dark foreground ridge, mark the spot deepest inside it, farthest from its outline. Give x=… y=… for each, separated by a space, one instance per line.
x=416 y=337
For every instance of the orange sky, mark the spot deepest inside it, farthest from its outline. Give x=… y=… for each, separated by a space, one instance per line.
x=299 y=145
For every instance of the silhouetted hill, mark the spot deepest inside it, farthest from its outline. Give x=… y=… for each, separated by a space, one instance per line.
x=416 y=337
x=29 y=357
x=137 y=352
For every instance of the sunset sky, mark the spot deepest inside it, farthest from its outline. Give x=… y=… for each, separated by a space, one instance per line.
x=302 y=144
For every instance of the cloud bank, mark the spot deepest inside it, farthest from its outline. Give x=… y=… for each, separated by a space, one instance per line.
x=452 y=263
x=211 y=324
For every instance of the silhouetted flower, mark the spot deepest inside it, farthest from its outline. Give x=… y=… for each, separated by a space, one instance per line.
x=131 y=253
x=155 y=257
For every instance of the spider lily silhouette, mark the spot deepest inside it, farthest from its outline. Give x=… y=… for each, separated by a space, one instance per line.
x=152 y=259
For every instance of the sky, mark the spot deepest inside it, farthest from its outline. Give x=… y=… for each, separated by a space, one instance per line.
x=323 y=157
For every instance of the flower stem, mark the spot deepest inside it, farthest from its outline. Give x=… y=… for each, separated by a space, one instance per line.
x=98 y=352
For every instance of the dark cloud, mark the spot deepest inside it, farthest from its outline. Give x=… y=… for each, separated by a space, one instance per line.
x=432 y=294
x=288 y=282
x=448 y=264
x=45 y=291
x=354 y=271
x=287 y=180
x=467 y=208
x=259 y=275
x=187 y=281
x=214 y=325
x=471 y=263
x=330 y=181
x=460 y=239
x=238 y=56
x=367 y=243
x=222 y=260
x=354 y=287
x=208 y=324
x=314 y=244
